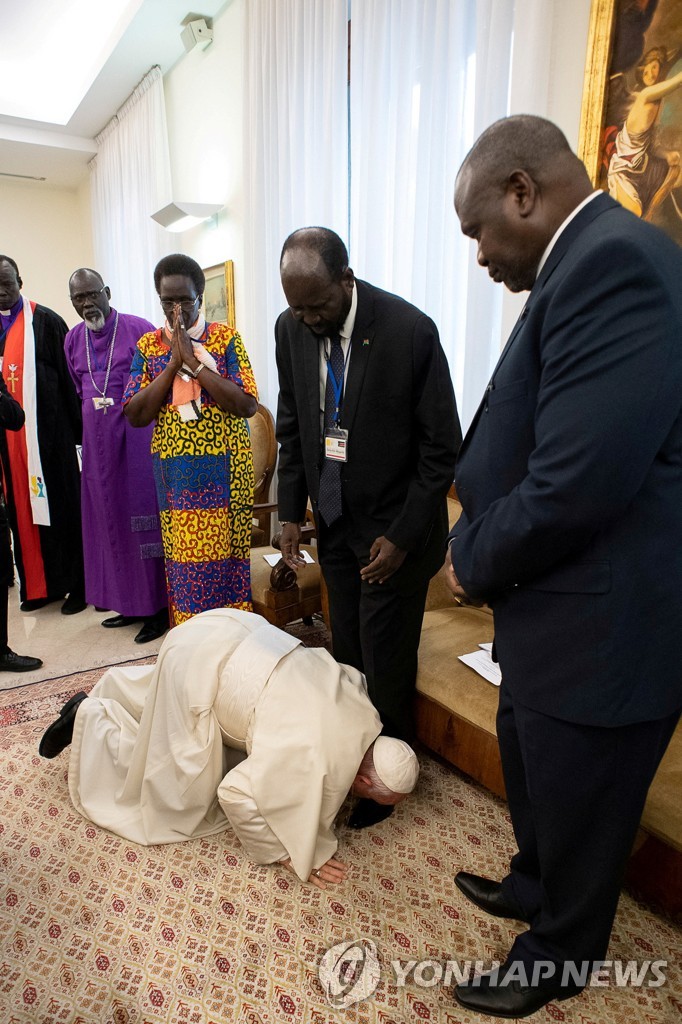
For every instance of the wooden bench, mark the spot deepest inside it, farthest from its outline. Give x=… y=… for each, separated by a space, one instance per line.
x=456 y=711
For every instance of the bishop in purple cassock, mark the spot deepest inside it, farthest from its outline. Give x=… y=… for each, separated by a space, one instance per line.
x=123 y=553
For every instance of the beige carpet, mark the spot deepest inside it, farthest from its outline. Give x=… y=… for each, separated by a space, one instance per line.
x=96 y=930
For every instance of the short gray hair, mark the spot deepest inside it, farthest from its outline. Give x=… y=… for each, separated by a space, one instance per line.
x=521 y=142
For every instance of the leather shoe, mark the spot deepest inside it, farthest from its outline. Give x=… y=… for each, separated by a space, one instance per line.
x=60 y=733
x=487 y=895
x=73 y=605
x=35 y=603
x=501 y=996
x=368 y=812
x=114 y=621
x=11 y=662
x=152 y=628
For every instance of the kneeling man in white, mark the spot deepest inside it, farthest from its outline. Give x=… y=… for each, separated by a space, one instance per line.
x=236 y=722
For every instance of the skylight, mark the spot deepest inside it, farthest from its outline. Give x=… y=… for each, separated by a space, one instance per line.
x=47 y=70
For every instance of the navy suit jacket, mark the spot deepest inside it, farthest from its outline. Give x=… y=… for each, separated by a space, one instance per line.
x=404 y=433
x=570 y=478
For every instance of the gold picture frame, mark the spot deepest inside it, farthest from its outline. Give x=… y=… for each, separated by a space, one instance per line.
x=599 y=41
x=219 y=294
x=631 y=118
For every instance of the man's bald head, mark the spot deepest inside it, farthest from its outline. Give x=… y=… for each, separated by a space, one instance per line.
x=321 y=242
x=316 y=279
x=86 y=272
x=516 y=186
x=524 y=142
x=90 y=297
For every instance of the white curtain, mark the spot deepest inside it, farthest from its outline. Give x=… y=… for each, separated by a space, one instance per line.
x=426 y=78
x=130 y=180
x=295 y=148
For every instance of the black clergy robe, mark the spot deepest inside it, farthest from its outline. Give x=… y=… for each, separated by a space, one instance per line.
x=59 y=431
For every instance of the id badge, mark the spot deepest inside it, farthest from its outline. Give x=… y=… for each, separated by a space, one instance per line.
x=335 y=443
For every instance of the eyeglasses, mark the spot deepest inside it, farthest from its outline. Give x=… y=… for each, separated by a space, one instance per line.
x=84 y=296
x=168 y=305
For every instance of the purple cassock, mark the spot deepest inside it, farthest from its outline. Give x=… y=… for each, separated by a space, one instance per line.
x=122 y=549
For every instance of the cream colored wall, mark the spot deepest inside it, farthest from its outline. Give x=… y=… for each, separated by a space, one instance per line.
x=568 y=49
x=47 y=232
x=204 y=114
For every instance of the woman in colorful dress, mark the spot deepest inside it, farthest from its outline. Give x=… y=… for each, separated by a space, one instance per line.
x=195 y=380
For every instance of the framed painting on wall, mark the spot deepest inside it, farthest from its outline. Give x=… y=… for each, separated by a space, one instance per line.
x=631 y=120
x=219 y=294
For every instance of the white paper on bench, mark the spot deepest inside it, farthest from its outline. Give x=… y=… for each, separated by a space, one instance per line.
x=274 y=559
x=482 y=663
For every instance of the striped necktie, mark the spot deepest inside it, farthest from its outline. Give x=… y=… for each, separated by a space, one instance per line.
x=329 y=500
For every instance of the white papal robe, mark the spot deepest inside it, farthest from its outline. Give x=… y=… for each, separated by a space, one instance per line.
x=152 y=744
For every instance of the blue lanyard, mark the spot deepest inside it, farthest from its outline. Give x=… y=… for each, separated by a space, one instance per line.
x=337 y=385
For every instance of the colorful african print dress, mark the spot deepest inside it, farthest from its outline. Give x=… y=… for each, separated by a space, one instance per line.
x=203 y=470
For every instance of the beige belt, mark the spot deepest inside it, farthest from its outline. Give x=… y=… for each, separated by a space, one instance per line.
x=245 y=677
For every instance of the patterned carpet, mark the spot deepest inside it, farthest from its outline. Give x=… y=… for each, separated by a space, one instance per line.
x=96 y=930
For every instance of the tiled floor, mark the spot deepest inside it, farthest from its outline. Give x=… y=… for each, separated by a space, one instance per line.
x=67 y=643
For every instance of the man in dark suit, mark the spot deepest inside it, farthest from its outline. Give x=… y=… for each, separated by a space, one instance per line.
x=570 y=478
x=368 y=430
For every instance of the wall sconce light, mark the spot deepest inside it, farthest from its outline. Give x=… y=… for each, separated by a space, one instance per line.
x=182 y=216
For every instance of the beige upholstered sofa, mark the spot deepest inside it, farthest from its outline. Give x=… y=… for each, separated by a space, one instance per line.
x=456 y=718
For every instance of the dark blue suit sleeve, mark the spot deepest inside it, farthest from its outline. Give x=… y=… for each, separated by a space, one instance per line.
x=608 y=403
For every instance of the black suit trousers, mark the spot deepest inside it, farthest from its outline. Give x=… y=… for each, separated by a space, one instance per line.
x=576 y=795
x=6 y=571
x=375 y=627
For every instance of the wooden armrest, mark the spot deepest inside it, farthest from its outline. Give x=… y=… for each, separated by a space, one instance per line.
x=263 y=507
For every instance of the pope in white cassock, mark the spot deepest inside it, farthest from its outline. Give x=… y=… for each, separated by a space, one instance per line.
x=236 y=722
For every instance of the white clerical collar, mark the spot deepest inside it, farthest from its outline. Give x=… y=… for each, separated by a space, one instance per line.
x=349 y=323
x=562 y=227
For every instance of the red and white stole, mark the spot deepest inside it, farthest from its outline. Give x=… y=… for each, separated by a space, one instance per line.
x=19 y=364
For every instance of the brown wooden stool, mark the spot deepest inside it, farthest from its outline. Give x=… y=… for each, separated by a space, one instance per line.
x=282 y=606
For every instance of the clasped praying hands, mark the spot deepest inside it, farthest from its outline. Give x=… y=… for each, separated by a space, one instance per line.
x=182 y=352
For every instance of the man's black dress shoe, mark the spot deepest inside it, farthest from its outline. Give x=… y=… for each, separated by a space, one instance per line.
x=368 y=812
x=120 y=620
x=74 y=604
x=487 y=895
x=35 y=604
x=60 y=733
x=11 y=662
x=500 y=996
x=153 y=627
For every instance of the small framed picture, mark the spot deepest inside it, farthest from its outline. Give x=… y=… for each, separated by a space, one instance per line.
x=219 y=294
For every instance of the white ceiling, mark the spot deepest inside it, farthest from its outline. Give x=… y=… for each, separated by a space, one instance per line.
x=123 y=46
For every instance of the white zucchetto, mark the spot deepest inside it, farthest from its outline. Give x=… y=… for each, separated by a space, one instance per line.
x=396 y=764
